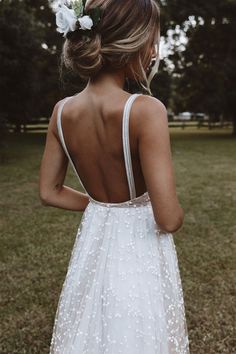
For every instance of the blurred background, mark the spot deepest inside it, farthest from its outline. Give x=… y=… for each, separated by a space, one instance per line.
x=196 y=82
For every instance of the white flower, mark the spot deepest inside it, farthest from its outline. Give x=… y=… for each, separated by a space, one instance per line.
x=65 y=19
x=85 y=22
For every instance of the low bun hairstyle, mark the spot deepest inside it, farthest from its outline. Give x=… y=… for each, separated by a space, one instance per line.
x=83 y=55
x=121 y=38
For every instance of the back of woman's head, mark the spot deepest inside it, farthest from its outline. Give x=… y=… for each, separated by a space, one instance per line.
x=121 y=40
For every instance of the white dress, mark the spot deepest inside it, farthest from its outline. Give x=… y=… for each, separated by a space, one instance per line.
x=122 y=293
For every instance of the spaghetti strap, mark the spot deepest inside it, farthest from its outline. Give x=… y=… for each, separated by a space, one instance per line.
x=126 y=145
x=61 y=135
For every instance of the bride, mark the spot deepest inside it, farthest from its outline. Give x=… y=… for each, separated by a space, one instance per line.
x=122 y=292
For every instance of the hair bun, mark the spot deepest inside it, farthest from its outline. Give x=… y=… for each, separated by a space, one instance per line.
x=123 y=39
x=83 y=54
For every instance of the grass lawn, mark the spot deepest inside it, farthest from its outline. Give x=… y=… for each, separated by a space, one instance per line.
x=36 y=242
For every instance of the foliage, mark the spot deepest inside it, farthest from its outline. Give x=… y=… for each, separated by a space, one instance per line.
x=206 y=69
x=19 y=42
x=28 y=72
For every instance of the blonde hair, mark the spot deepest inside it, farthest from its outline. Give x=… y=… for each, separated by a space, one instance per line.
x=126 y=29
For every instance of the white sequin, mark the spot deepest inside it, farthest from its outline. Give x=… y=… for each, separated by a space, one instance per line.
x=122 y=292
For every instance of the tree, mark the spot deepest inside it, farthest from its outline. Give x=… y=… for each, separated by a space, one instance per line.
x=29 y=57
x=207 y=67
x=20 y=42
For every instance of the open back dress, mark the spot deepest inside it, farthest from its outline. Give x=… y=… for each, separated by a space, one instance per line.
x=122 y=293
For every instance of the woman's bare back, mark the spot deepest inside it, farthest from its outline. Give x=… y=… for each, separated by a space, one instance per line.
x=92 y=127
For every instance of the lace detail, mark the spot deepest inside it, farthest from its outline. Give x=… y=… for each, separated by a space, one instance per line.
x=122 y=293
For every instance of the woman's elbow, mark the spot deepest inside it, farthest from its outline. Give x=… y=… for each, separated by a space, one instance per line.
x=173 y=224
x=43 y=197
x=172 y=228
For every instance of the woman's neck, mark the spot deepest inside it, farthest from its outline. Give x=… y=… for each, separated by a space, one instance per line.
x=107 y=81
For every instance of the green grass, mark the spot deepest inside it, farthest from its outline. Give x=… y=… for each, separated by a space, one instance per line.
x=36 y=242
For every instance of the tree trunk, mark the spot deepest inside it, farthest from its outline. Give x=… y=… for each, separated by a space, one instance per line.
x=234 y=127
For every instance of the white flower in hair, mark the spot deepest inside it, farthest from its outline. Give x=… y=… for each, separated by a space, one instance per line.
x=65 y=19
x=70 y=14
x=85 y=22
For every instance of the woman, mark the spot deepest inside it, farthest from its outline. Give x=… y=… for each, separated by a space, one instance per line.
x=122 y=292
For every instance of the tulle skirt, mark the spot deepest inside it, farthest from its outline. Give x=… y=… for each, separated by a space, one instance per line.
x=122 y=292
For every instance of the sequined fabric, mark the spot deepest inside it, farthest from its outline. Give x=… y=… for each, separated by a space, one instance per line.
x=122 y=293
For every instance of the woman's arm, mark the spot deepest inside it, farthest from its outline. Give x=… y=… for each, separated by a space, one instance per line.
x=52 y=191
x=156 y=162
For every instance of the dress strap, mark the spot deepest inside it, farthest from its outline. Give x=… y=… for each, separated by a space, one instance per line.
x=61 y=135
x=126 y=145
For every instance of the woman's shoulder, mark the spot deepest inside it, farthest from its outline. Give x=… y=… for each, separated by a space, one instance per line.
x=151 y=104
x=58 y=105
x=53 y=120
x=150 y=111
